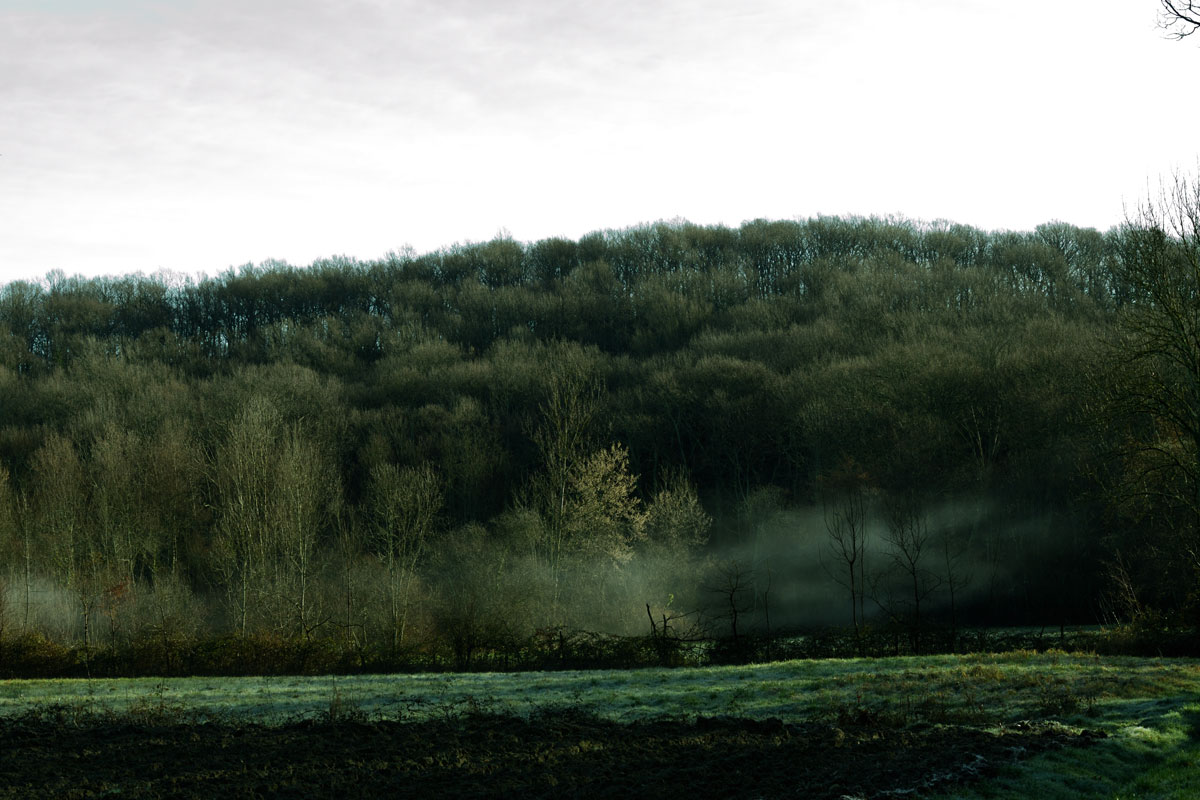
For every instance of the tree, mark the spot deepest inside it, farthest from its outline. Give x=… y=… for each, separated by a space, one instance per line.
x=1182 y=19
x=563 y=440
x=61 y=508
x=605 y=519
x=955 y=549
x=245 y=534
x=120 y=529
x=1153 y=386
x=477 y=607
x=732 y=584
x=675 y=519
x=306 y=494
x=172 y=476
x=405 y=503
x=10 y=547
x=676 y=527
x=907 y=539
x=755 y=512
x=603 y=522
x=276 y=490
x=845 y=508
x=16 y=526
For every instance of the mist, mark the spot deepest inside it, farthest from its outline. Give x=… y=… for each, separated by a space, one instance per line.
x=996 y=555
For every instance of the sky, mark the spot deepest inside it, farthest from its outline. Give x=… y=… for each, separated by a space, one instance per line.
x=197 y=135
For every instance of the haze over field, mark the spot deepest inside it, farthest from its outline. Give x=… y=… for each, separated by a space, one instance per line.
x=193 y=136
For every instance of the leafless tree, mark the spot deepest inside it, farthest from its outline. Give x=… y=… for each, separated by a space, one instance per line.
x=562 y=436
x=306 y=492
x=671 y=630
x=9 y=542
x=908 y=540
x=1152 y=384
x=756 y=510
x=955 y=546
x=845 y=524
x=245 y=538
x=406 y=504
x=1180 y=19
x=733 y=585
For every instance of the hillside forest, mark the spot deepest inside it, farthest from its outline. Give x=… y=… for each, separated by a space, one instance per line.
x=670 y=431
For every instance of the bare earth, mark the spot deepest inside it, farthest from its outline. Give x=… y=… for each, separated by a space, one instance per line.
x=562 y=754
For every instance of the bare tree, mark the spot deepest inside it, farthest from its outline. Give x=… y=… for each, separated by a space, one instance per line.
x=845 y=505
x=60 y=510
x=563 y=437
x=1150 y=391
x=755 y=511
x=955 y=546
x=1156 y=380
x=9 y=545
x=244 y=540
x=405 y=504
x=350 y=545
x=908 y=539
x=733 y=585
x=673 y=628
x=24 y=529
x=1180 y=19
x=305 y=492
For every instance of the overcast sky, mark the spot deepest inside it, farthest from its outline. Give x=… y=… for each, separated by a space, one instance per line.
x=195 y=135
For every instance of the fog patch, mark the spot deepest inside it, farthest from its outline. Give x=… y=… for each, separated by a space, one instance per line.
x=46 y=607
x=980 y=551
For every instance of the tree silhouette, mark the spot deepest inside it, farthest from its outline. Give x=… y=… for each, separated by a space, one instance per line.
x=1182 y=19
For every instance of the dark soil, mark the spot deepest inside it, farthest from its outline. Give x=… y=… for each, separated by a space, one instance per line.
x=555 y=755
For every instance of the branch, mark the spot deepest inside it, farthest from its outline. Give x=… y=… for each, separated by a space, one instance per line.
x=1183 y=17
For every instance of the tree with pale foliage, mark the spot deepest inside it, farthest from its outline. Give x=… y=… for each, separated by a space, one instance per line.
x=675 y=520
x=605 y=519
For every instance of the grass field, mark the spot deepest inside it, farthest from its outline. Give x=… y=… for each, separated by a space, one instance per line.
x=1149 y=710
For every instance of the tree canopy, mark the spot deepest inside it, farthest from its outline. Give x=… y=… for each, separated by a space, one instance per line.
x=310 y=450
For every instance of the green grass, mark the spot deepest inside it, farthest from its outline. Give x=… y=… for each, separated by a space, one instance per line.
x=1152 y=751
x=1149 y=708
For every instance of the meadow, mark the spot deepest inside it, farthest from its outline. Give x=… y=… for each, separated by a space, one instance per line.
x=1074 y=725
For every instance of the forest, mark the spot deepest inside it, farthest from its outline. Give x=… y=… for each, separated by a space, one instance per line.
x=656 y=435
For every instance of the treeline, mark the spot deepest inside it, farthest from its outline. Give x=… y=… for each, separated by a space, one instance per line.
x=447 y=453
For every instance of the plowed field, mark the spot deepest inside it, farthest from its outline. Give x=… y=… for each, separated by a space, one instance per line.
x=561 y=754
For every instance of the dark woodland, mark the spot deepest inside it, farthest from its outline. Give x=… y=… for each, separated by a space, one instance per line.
x=500 y=454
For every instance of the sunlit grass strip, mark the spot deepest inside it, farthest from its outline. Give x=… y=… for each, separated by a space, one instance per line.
x=1153 y=751
x=984 y=689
